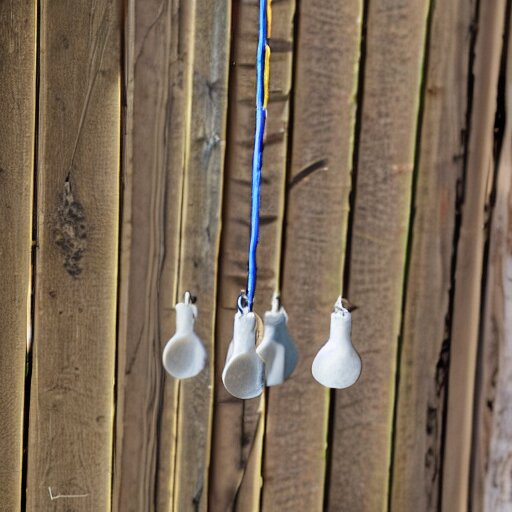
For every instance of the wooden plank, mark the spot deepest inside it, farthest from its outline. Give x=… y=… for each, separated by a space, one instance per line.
x=237 y=442
x=490 y=485
x=423 y=367
x=200 y=241
x=72 y=392
x=317 y=209
x=249 y=493
x=158 y=91
x=466 y=312
x=361 y=437
x=497 y=483
x=17 y=110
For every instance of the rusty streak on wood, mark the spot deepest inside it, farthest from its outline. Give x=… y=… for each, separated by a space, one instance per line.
x=72 y=392
x=158 y=93
x=423 y=367
x=17 y=109
x=468 y=276
x=317 y=209
x=199 y=253
x=238 y=428
x=391 y=96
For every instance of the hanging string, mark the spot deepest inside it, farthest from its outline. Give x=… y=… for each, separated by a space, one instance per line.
x=262 y=79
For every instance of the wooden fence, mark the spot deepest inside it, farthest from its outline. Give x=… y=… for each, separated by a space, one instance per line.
x=125 y=147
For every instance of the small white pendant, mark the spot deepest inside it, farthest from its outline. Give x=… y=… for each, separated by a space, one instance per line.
x=337 y=364
x=184 y=354
x=277 y=348
x=244 y=372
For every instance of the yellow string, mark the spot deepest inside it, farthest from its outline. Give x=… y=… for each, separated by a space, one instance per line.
x=267 y=75
x=269 y=18
x=267 y=54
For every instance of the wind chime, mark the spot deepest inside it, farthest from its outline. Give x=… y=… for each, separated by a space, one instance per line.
x=250 y=366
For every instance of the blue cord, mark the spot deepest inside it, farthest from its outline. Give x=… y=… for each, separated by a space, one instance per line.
x=257 y=159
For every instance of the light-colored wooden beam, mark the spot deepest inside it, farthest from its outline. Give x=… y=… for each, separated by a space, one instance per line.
x=158 y=86
x=470 y=250
x=423 y=365
x=74 y=345
x=490 y=483
x=17 y=130
x=200 y=237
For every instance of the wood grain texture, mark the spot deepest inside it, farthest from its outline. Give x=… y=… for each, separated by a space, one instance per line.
x=497 y=495
x=468 y=273
x=423 y=367
x=17 y=110
x=121 y=119
x=490 y=485
x=72 y=390
x=317 y=208
x=158 y=95
x=361 y=437
x=235 y=477
x=200 y=237
x=249 y=493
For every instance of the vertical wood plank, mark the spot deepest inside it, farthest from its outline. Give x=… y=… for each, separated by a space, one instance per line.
x=17 y=110
x=204 y=163
x=317 y=206
x=238 y=426
x=423 y=367
x=71 y=406
x=361 y=437
x=497 y=494
x=158 y=73
x=249 y=493
x=490 y=485
x=468 y=274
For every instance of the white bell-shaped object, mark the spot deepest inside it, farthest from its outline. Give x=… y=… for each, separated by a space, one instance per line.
x=244 y=372
x=184 y=354
x=277 y=348
x=337 y=364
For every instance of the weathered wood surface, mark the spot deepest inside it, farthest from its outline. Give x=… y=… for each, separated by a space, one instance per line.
x=497 y=495
x=158 y=97
x=199 y=244
x=74 y=345
x=361 y=437
x=238 y=427
x=317 y=206
x=468 y=273
x=490 y=485
x=423 y=365
x=17 y=129
x=135 y=109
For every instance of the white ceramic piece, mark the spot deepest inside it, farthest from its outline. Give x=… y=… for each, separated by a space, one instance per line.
x=184 y=354
x=337 y=364
x=244 y=372
x=277 y=348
